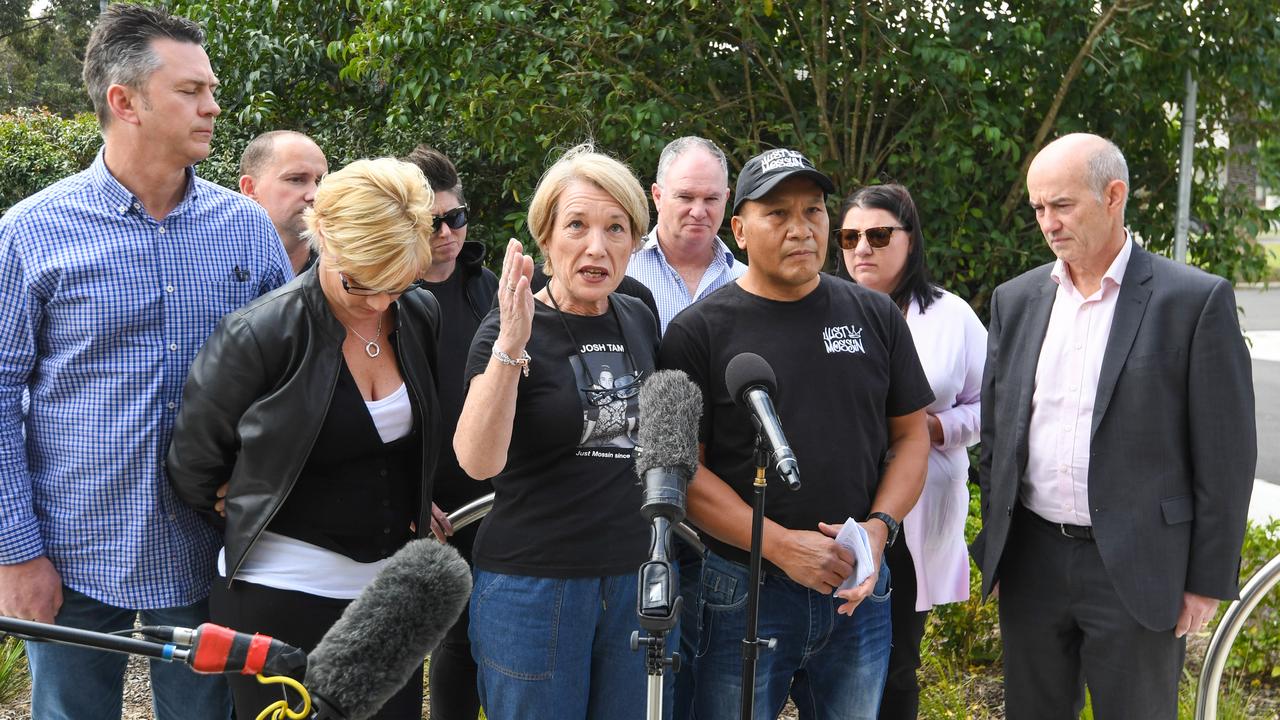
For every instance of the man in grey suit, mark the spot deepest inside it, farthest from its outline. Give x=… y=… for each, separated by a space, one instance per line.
x=1118 y=450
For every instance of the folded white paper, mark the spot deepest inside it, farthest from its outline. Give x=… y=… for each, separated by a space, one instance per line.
x=854 y=538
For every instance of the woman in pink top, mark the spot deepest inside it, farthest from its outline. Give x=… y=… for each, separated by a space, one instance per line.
x=883 y=249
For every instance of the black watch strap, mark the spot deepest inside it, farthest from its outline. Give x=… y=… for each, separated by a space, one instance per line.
x=890 y=523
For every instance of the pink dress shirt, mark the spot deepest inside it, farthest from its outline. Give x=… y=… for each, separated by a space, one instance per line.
x=1056 y=484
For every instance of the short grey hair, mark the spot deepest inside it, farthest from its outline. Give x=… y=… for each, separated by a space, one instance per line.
x=1106 y=164
x=120 y=53
x=680 y=146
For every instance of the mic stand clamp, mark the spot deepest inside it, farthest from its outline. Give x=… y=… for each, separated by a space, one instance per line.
x=658 y=609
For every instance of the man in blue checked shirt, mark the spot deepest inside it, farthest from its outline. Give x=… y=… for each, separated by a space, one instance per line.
x=683 y=260
x=110 y=280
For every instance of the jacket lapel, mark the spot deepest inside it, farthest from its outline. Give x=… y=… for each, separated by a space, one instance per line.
x=1131 y=305
x=1037 y=324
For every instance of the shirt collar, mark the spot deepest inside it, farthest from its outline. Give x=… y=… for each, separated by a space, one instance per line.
x=121 y=200
x=1110 y=279
x=651 y=244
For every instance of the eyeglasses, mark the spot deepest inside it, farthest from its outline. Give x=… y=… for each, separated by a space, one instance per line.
x=455 y=219
x=624 y=388
x=363 y=291
x=877 y=237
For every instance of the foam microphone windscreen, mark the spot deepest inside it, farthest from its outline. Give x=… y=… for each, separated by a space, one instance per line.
x=670 y=409
x=746 y=370
x=384 y=634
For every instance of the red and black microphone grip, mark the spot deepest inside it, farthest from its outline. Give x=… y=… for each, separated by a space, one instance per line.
x=217 y=649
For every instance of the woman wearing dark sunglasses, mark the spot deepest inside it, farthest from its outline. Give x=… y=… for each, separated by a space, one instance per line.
x=314 y=410
x=883 y=248
x=550 y=416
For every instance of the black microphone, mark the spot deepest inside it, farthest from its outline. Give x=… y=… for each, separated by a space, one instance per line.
x=751 y=382
x=670 y=408
x=384 y=634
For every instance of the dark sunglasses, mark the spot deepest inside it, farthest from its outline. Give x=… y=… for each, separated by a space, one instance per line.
x=624 y=388
x=455 y=219
x=361 y=290
x=877 y=237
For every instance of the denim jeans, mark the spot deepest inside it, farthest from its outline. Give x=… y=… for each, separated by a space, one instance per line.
x=559 y=649
x=73 y=683
x=832 y=666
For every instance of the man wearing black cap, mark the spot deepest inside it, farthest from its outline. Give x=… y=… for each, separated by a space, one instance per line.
x=851 y=397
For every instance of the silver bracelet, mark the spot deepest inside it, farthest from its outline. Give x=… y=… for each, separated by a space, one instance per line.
x=522 y=362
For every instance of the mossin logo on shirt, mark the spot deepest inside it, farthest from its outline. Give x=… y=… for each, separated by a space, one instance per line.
x=843 y=339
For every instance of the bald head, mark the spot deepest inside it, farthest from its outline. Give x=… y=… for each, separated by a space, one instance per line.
x=1094 y=158
x=280 y=170
x=1078 y=186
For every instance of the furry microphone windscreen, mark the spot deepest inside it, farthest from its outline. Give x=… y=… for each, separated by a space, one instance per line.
x=384 y=634
x=670 y=409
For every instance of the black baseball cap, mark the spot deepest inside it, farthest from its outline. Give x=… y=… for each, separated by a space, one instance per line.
x=766 y=170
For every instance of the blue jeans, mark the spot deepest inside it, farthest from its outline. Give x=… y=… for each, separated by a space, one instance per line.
x=559 y=649
x=832 y=666
x=73 y=683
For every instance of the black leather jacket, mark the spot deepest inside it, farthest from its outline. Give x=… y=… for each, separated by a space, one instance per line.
x=259 y=391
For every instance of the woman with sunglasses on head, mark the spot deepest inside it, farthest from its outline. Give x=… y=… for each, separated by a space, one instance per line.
x=465 y=290
x=314 y=409
x=549 y=416
x=883 y=249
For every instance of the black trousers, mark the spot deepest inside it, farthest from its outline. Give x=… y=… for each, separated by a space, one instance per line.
x=453 y=670
x=901 y=699
x=1064 y=627
x=299 y=619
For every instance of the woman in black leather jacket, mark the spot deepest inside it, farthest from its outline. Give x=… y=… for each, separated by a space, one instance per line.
x=316 y=406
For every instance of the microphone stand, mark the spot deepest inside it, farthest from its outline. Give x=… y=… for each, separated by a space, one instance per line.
x=658 y=611
x=751 y=644
x=44 y=632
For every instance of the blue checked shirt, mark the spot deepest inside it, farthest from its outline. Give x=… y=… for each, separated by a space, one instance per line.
x=649 y=266
x=102 y=309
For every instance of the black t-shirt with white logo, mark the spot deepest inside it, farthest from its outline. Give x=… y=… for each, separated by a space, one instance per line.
x=567 y=504
x=844 y=362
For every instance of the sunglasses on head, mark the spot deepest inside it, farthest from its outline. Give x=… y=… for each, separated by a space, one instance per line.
x=455 y=219
x=877 y=237
x=354 y=289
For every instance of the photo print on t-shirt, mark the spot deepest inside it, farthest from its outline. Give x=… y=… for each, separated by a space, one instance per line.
x=610 y=398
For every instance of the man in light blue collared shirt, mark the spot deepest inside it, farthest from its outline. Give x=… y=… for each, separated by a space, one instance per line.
x=682 y=260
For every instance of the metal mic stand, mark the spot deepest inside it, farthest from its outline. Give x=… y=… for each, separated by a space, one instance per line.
x=658 y=609
x=45 y=632
x=751 y=644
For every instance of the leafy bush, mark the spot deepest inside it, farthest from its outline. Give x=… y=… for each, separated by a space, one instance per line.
x=1256 y=651
x=38 y=148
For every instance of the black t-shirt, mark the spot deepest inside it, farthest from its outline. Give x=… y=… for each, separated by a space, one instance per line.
x=567 y=504
x=453 y=487
x=844 y=362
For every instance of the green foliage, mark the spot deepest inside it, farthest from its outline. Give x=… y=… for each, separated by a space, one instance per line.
x=38 y=147
x=42 y=56
x=13 y=669
x=965 y=635
x=1256 y=651
x=950 y=98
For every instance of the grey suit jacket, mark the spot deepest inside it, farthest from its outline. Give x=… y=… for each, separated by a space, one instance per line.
x=1173 y=444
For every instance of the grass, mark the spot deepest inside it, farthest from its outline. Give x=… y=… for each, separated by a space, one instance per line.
x=13 y=670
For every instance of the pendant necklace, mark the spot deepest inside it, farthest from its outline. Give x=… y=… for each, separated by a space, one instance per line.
x=371 y=347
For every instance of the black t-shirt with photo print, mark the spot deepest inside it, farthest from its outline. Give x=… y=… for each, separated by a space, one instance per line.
x=844 y=362
x=567 y=504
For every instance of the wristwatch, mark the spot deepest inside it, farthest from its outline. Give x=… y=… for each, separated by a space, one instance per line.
x=890 y=523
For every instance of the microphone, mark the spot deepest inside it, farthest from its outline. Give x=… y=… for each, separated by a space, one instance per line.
x=751 y=382
x=670 y=408
x=384 y=634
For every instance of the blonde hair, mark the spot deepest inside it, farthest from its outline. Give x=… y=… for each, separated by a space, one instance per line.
x=585 y=164
x=373 y=218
